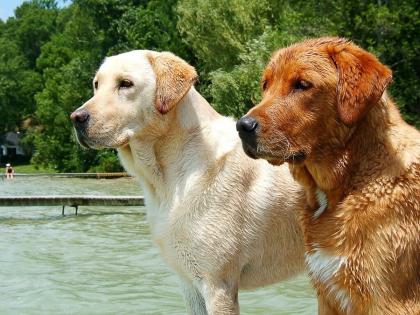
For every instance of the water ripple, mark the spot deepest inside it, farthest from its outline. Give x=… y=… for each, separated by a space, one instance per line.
x=101 y=261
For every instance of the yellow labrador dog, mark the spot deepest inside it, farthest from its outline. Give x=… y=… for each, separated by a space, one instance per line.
x=221 y=220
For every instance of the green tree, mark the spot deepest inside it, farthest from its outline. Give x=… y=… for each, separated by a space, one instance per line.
x=68 y=63
x=218 y=31
x=87 y=31
x=259 y=28
x=152 y=26
x=233 y=42
x=390 y=29
x=48 y=55
x=20 y=40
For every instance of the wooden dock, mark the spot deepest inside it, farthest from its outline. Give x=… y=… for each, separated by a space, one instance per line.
x=71 y=201
x=74 y=175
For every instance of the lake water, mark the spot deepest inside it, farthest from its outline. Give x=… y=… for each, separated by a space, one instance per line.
x=101 y=261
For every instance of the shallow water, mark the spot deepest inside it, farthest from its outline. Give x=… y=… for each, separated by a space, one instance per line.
x=101 y=261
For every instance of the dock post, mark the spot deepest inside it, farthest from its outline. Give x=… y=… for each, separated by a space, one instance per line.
x=62 y=211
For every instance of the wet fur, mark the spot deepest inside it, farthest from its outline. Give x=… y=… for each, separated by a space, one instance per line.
x=363 y=248
x=222 y=221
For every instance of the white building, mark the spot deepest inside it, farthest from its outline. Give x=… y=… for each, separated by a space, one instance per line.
x=10 y=145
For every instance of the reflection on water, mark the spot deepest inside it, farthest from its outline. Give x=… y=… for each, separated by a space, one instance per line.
x=101 y=261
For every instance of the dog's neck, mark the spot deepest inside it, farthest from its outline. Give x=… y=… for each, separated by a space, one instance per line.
x=334 y=169
x=193 y=111
x=153 y=154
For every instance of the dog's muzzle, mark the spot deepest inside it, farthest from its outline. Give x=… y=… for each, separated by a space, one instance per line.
x=80 y=119
x=246 y=127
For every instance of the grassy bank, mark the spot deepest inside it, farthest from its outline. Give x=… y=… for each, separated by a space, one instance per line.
x=30 y=168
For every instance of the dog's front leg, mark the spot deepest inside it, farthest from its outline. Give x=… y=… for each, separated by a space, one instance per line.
x=193 y=299
x=221 y=297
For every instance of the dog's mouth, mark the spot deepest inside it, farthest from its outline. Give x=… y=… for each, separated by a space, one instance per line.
x=83 y=143
x=295 y=157
x=275 y=159
x=102 y=142
x=256 y=153
x=276 y=151
x=82 y=139
x=249 y=150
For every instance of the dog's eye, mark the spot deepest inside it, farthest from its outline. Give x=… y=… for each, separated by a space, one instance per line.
x=264 y=85
x=95 y=84
x=301 y=85
x=125 y=84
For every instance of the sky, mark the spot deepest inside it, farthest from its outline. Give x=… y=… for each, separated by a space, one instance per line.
x=7 y=7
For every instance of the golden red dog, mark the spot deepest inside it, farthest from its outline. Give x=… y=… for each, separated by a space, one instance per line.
x=325 y=111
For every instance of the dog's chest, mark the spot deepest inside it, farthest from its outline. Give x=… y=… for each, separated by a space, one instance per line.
x=324 y=269
x=174 y=241
x=322 y=201
x=323 y=264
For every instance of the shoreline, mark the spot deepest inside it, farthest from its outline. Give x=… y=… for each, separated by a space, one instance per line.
x=73 y=175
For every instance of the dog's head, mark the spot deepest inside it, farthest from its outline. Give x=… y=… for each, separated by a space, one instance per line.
x=314 y=92
x=133 y=94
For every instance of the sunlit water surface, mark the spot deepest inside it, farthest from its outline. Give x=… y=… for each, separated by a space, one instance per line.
x=101 y=261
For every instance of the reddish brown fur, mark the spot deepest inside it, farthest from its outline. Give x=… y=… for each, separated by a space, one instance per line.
x=366 y=159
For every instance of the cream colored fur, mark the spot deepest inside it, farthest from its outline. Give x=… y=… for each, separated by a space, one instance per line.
x=222 y=221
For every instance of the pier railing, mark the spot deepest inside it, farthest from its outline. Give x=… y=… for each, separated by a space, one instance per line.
x=74 y=175
x=71 y=201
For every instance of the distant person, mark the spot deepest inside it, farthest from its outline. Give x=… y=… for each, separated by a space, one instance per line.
x=9 y=171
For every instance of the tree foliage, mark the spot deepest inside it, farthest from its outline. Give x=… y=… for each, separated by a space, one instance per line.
x=20 y=42
x=49 y=54
x=387 y=28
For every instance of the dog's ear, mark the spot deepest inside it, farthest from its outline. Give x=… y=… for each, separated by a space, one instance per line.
x=362 y=80
x=174 y=78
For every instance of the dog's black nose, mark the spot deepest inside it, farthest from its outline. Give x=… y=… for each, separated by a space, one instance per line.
x=246 y=127
x=246 y=124
x=80 y=117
